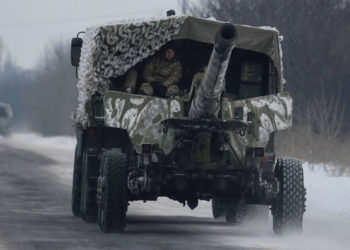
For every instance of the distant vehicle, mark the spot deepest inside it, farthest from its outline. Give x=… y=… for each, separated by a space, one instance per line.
x=215 y=141
x=5 y=118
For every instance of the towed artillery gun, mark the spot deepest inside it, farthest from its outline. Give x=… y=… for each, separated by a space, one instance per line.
x=213 y=142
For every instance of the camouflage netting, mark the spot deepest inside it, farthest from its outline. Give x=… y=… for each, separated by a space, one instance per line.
x=109 y=51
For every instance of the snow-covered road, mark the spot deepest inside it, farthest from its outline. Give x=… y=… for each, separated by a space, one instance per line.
x=153 y=225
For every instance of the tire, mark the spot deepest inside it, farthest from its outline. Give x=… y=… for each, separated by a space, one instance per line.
x=218 y=209
x=88 y=205
x=235 y=212
x=289 y=206
x=113 y=191
x=76 y=185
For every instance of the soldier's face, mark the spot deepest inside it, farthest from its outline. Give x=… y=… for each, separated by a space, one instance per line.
x=169 y=54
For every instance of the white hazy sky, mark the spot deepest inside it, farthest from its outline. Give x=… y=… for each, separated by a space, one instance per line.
x=28 y=26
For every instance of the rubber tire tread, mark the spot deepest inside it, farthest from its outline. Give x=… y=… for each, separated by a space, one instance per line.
x=88 y=207
x=115 y=198
x=289 y=207
x=76 y=186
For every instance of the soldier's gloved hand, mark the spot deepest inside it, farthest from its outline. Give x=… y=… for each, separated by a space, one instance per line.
x=172 y=91
x=172 y=97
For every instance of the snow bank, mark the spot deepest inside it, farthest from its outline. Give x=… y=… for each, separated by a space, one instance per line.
x=326 y=194
x=32 y=140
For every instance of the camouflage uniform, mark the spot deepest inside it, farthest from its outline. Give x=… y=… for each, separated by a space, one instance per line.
x=198 y=77
x=196 y=81
x=251 y=78
x=163 y=72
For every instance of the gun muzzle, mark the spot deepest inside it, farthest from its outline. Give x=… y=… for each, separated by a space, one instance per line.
x=207 y=99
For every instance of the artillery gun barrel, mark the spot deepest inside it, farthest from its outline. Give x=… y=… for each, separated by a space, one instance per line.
x=207 y=100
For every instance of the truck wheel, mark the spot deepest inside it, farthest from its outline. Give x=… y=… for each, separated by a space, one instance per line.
x=289 y=206
x=235 y=211
x=88 y=206
x=218 y=208
x=76 y=185
x=112 y=191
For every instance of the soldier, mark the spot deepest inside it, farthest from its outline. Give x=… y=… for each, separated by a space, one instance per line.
x=251 y=80
x=162 y=74
x=130 y=81
x=196 y=81
x=198 y=77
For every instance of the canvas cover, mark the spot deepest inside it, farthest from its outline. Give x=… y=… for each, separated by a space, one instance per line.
x=109 y=51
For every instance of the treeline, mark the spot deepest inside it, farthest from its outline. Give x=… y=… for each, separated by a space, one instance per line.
x=42 y=99
x=316 y=58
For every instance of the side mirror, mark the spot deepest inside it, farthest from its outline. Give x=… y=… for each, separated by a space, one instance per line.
x=76 y=51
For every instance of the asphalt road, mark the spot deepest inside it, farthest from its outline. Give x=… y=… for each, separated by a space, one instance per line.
x=35 y=214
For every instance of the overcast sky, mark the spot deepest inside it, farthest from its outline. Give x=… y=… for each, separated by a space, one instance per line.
x=28 y=26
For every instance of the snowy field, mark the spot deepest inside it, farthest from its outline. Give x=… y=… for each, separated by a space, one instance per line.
x=326 y=221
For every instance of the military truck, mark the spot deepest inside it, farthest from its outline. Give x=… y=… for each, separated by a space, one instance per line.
x=214 y=141
x=5 y=118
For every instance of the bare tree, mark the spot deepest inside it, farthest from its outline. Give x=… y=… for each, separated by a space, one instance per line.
x=53 y=94
x=325 y=113
x=42 y=99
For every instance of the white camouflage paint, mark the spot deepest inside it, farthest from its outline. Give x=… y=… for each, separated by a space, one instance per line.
x=141 y=117
x=271 y=113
